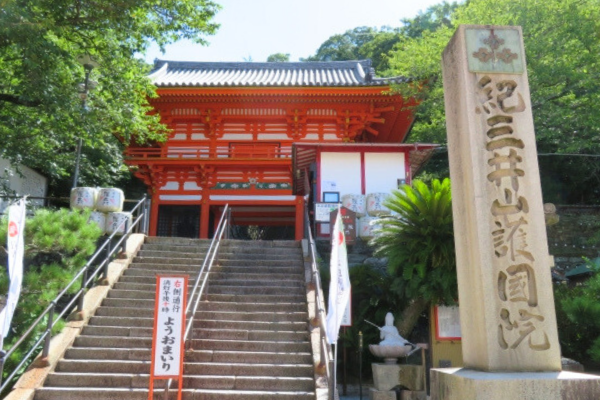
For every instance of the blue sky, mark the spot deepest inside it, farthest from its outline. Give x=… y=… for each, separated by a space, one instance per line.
x=257 y=28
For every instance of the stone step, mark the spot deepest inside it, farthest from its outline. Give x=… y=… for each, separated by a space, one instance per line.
x=231 y=253
x=254 y=346
x=240 y=334
x=260 y=263
x=297 y=326
x=237 y=298
x=228 y=289
x=279 y=270
x=242 y=261
x=219 y=278
x=102 y=320
x=142 y=272
x=202 y=314
x=223 y=382
x=100 y=393
x=224 y=356
x=203 y=333
x=256 y=298
x=252 y=316
x=272 y=290
x=128 y=322
x=248 y=307
x=191 y=368
x=113 y=342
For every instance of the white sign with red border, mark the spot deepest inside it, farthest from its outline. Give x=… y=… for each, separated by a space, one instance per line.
x=169 y=328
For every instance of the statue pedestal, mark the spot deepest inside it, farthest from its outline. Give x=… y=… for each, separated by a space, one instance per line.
x=460 y=384
x=386 y=377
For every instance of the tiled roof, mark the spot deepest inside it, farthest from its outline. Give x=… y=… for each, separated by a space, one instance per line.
x=276 y=74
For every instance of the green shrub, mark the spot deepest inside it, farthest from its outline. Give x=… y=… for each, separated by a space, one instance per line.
x=57 y=246
x=578 y=317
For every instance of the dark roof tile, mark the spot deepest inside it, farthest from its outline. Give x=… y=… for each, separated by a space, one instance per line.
x=283 y=74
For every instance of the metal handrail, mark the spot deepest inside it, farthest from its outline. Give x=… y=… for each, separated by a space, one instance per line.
x=194 y=298
x=326 y=356
x=86 y=280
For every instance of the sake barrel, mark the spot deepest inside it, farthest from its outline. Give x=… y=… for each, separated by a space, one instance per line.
x=356 y=203
x=375 y=206
x=98 y=218
x=83 y=198
x=367 y=227
x=110 y=200
x=118 y=222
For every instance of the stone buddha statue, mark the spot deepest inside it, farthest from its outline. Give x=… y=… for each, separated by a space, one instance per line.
x=389 y=333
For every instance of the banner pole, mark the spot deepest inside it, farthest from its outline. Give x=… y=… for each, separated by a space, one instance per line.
x=335 y=356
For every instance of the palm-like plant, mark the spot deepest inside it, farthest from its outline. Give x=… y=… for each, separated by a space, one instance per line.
x=419 y=244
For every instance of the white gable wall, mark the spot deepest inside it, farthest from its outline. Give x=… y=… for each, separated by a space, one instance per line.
x=382 y=171
x=344 y=170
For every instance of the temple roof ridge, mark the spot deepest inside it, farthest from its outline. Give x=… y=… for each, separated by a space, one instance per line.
x=351 y=73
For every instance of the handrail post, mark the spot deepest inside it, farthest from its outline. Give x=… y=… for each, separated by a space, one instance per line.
x=126 y=234
x=49 y=327
x=106 y=261
x=81 y=291
x=146 y=219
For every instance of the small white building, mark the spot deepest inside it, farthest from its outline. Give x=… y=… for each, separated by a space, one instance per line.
x=21 y=181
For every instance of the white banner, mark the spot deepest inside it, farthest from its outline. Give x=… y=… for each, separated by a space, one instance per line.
x=169 y=325
x=339 y=286
x=15 y=246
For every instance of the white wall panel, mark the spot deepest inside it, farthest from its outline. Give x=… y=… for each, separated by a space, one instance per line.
x=344 y=170
x=382 y=171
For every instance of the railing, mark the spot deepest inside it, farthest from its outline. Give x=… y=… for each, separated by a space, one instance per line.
x=202 y=278
x=204 y=152
x=325 y=366
x=141 y=222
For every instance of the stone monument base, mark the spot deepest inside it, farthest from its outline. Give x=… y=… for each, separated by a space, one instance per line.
x=375 y=394
x=386 y=376
x=461 y=384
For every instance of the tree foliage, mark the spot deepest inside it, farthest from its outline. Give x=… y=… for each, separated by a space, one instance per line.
x=41 y=115
x=359 y=43
x=279 y=57
x=57 y=245
x=578 y=317
x=563 y=54
x=375 y=44
x=419 y=244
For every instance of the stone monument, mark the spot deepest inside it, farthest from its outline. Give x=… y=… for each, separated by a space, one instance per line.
x=389 y=375
x=508 y=321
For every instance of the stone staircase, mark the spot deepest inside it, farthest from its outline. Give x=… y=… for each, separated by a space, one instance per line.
x=250 y=338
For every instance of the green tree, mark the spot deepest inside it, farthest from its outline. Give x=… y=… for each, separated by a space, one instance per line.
x=430 y=20
x=57 y=245
x=279 y=57
x=359 y=43
x=419 y=244
x=578 y=318
x=375 y=44
x=563 y=54
x=41 y=116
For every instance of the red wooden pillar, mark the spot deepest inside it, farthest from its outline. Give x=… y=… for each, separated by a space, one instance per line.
x=299 y=234
x=204 y=218
x=153 y=215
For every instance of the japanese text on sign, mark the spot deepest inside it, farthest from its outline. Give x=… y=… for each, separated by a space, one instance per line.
x=169 y=325
x=520 y=322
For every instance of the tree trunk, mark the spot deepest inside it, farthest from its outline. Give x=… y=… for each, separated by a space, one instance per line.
x=410 y=315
